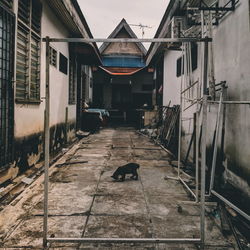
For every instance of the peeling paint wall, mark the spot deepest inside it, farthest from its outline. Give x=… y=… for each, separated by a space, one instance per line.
x=231 y=49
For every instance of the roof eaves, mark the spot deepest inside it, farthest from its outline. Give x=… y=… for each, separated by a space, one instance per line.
x=84 y=22
x=162 y=29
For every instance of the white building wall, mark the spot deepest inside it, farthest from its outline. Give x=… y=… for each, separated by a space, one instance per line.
x=171 y=83
x=29 y=118
x=231 y=51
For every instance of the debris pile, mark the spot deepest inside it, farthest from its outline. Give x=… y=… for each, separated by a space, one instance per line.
x=164 y=127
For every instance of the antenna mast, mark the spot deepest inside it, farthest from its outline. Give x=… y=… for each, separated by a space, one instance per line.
x=142 y=27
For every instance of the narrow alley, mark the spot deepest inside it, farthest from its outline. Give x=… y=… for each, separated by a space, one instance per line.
x=84 y=201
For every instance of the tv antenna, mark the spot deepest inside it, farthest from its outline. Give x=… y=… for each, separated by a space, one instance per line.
x=142 y=27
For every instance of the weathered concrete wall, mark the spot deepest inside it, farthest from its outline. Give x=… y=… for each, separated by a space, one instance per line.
x=29 y=118
x=231 y=52
x=232 y=62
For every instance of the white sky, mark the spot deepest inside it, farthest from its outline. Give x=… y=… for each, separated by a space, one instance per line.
x=103 y=16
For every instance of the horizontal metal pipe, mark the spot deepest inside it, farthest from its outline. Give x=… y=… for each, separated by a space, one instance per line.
x=129 y=40
x=231 y=205
x=230 y=102
x=125 y=240
x=188 y=188
x=211 y=8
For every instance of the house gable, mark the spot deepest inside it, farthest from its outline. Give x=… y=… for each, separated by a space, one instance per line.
x=123 y=30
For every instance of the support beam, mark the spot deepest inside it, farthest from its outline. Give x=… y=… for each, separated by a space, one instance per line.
x=125 y=240
x=128 y=40
x=46 y=148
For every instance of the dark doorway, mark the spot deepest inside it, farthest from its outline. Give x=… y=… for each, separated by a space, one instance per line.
x=121 y=96
x=7 y=26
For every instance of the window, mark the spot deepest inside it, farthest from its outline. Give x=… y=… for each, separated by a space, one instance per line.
x=7 y=3
x=28 y=51
x=194 y=56
x=63 y=64
x=178 y=67
x=72 y=80
x=52 y=56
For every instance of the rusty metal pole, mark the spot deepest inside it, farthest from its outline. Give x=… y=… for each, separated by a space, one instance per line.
x=46 y=149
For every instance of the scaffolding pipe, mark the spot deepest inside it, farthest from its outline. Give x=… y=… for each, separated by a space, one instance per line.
x=203 y=145
x=180 y=115
x=230 y=204
x=187 y=187
x=125 y=240
x=46 y=148
x=215 y=145
x=230 y=102
x=197 y=157
x=201 y=240
x=127 y=40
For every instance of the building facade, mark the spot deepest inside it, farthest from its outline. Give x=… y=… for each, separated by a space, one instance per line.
x=23 y=24
x=227 y=22
x=123 y=83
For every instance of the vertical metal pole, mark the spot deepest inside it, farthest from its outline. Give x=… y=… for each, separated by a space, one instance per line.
x=197 y=156
x=46 y=149
x=203 y=145
x=180 y=119
x=215 y=144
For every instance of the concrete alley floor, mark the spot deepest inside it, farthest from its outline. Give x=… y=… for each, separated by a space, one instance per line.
x=84 y=201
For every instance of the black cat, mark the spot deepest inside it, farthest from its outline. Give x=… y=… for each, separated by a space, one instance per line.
x=130 y=168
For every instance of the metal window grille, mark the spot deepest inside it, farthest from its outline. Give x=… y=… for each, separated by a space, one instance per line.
x=7 y=3
x=7 y=24
x=28 y=51
x=72 y=85
x=53 y=57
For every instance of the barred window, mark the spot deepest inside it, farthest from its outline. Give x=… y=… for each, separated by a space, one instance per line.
x=7 y=3
x=53 y=57
x=72 y=82
x=28 y=51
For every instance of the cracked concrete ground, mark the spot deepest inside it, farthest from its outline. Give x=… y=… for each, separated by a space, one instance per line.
x=85 y=202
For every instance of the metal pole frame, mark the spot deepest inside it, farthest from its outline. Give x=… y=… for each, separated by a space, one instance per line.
x=46 y=239
x=46 y=148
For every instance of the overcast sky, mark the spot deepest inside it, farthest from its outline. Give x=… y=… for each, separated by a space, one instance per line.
x=104 y=15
